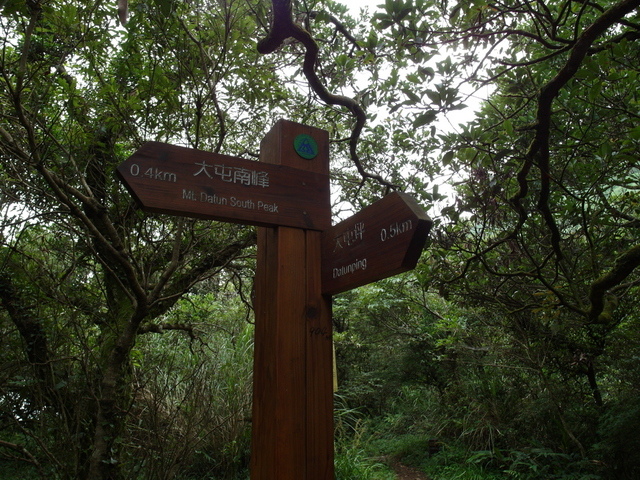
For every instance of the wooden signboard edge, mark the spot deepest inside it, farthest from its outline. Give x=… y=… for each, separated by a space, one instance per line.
x=419 y=239
x=412 y=254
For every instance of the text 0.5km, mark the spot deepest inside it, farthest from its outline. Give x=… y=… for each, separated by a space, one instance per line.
x=395 y=229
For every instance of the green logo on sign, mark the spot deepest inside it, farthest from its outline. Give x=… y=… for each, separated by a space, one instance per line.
x=306 y=146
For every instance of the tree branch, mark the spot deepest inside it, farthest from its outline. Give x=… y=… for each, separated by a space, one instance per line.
x=539 y=148
x=283 y=27
x=28 y=457
x=163 y=327
x=600 y=311
x=181 y=283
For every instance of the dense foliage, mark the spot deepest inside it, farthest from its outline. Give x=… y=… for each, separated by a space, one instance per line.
x=511 y=351
x=539 y=245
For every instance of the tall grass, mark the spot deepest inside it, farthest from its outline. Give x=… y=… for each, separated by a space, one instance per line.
x=352 y=444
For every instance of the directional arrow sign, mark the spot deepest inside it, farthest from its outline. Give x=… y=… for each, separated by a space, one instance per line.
x=176 y=180
x=381 y=240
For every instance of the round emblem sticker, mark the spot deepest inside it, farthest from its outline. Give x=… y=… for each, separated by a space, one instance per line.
x=305 y=146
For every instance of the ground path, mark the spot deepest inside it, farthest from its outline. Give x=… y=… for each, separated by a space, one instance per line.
x=407 y=473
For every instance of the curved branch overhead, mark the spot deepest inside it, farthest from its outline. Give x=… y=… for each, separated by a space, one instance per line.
x=539 y=148
x=283 y=27
x=539 y=151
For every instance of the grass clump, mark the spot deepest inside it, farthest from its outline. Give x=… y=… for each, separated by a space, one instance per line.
x=352 y=447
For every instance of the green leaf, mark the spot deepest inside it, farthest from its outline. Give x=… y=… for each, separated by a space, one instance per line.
x=455 y=11
x=427 y=72
x=390 y=5
x=322 y=16
x=501 y=154
x=605 y=149
x=447 y=158
x=434 y=96
x=508 y=127
x=413 y=98
x=424 y=119
x=385 y=23
x=403 y=14
x=634 y=133
x=341 y=60
x=595 y=91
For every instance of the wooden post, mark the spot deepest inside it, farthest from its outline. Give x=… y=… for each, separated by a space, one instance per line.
x=292 y=435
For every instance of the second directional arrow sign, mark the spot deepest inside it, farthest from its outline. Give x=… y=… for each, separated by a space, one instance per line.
x=166 y=178
x=381 y=240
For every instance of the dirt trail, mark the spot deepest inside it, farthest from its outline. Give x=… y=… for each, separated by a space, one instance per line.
x=408 y=473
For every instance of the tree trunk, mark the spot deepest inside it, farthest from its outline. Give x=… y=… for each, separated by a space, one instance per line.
x=593 y=383
x=111 y=406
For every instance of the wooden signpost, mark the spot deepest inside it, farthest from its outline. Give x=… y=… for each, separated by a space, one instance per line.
x=302 y=261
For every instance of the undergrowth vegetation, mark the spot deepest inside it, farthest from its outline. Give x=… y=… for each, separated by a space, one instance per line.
x=461 y=395
x=448 y=391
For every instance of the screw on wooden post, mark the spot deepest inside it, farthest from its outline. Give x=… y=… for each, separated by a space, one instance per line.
x=292 y=436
